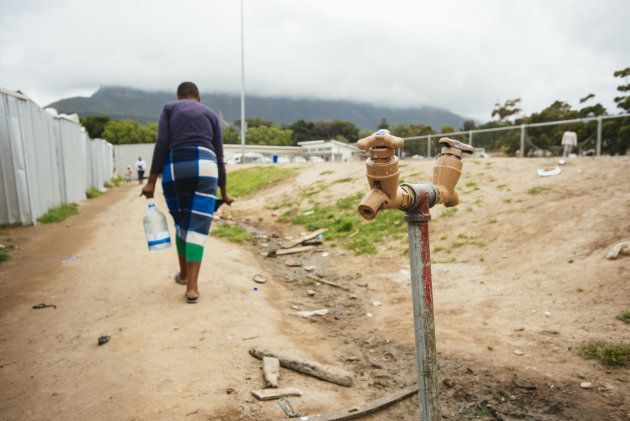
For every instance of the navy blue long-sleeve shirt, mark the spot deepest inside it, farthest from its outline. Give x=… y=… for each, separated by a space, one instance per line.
x=188 y=123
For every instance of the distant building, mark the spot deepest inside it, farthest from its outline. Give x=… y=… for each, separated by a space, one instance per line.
x=330 y=150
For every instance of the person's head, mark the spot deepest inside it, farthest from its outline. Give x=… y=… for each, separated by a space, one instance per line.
x=139 y=158
x=188 y=90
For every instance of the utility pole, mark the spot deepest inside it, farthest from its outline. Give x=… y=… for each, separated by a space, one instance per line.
x=243 y=122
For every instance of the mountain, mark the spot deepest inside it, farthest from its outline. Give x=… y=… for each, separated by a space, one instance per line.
x=144 y=106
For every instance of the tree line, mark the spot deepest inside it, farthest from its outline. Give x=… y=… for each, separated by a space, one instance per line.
x=615 y=132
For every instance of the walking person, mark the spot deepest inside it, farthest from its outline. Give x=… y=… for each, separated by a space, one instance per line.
x=189 y=155
x=141 y=167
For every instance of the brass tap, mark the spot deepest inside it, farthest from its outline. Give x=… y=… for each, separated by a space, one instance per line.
x=383 y=174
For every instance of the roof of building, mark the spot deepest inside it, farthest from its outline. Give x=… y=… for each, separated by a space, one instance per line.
x=321 y=142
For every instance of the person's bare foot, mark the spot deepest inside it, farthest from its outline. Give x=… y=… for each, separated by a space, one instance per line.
x=191 y=296
x=180 y=279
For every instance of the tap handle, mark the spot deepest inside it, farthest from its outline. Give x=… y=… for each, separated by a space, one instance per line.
x=382 y=138
x=452 y=143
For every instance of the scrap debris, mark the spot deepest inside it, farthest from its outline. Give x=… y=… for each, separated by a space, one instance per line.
x=269 y=394
x=102 y=340
x=366 y=408
x=271 y=371
x=302 y=240
x=619 y=249
x=312 y=368
x=44 y=305
x=324 y=281
x=307 y=314
x=287 y=408
x=548 y=172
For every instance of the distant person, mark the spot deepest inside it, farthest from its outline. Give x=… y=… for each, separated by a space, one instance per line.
x=128 y=174
x=569 y=140
x=141 y=167
x=189 y=155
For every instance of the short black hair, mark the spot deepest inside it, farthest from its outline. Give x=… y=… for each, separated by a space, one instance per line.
x=187 y=90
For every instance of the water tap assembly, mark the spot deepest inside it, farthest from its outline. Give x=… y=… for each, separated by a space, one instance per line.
x=383 y=174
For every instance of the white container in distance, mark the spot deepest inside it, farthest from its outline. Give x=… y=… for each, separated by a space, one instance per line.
x=156 y=229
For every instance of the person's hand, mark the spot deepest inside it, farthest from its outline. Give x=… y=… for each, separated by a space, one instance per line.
x=227 y=199
x=148 y=190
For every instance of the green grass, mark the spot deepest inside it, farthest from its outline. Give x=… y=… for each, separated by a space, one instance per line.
x=448 y=212
x=502 y=186
x=59 y=213
x=344 y=180
x=242 y=183
x=624 y=316
x=327 y=172
x=346 y=225
x=117 y=180
x=4 y=254
x=233 y=233
x=437 y=249
x=611 y=354
x=108 y=185
x=93 y=192
x=537 y=189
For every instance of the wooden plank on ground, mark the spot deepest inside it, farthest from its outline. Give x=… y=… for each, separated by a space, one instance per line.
x=324 y=281
x=301 y=240
x=294 y=250
x=364 y=409
x=312 y=368
x=268 y=394
x=271 y=371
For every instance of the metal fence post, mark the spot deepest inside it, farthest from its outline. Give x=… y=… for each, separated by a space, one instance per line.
x=522 y=141
x=599 y=135
x=429 y=147
x=470 y=136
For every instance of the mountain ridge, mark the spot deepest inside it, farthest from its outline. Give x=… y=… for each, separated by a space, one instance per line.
x=144 y=106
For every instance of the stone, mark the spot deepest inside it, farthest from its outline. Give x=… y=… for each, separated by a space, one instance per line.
x=519 y=353
x=293 y=263
x=586 y=385
x=259 y=279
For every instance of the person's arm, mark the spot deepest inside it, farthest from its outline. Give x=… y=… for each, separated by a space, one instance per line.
x=159 y=152
x=217 y=143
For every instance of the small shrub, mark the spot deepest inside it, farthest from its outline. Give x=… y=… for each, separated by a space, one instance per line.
x=59 y=213
x=537 y=189
x=233 y=233
x=624 y=316
x=93 y=192
x=616 y=355
x=109 y=184
x=117 y=180
x=4 y=254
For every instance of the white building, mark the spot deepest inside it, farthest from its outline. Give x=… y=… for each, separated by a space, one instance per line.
x=330 y=150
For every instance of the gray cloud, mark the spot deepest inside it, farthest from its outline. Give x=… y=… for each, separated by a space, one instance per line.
x=458 y=55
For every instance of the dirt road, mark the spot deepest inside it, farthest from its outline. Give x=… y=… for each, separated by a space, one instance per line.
x=532 y=279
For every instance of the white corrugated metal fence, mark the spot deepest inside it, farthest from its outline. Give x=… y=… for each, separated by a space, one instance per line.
x=45 y=160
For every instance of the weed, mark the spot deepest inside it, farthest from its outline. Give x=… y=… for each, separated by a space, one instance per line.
x=444 y=237
x=4 y=254
x=579 y=290
x=109 y=184
x=233 y=233
x=537 y=189
x=327 y=172
x=117 y=180
x=344 y=180
x=476 y=161
x=607 y=353
x=93 y=192
x=502 y=186
x=624 y=316
x=448 y=212
x=507 y=200
x=59 y=213
x=492 y=221
x=246 y=181
x=438 y=249
x=471 y=185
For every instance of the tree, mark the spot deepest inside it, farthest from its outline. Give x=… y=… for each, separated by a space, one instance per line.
x=269 y=135
x=341 y=130
x=623 y=101
x=122 y=132
x=95 y=124
x=469 y=125
x=231 y=136
x=506 y=110
x=253 y=122
x=302 y=131
x=586 y=98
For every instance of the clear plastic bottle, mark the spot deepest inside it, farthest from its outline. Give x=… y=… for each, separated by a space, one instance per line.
x=156 y=229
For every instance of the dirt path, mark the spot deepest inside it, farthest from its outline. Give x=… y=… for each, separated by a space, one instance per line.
x=166 y=359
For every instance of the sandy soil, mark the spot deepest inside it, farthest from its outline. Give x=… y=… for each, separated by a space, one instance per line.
x=537 y=265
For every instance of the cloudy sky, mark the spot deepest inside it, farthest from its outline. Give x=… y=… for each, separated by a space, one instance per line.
x=459 y=55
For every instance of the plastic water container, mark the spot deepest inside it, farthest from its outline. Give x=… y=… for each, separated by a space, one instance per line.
x=156 y=229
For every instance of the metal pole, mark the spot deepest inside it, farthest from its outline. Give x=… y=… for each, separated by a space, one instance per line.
x=243 y=122
x=422 y=297
x=429 y=147
x=522 y=141
x=470 y=137
x=599 y=136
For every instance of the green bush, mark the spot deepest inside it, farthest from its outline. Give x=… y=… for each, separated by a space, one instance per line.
x=93 y=192
x=624 y=316
x=607 y=353
x=59 y=213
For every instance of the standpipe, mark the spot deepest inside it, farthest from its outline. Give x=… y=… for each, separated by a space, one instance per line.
x=383 y=174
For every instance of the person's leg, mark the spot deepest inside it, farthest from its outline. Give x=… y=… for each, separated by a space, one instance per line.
x=192 y=289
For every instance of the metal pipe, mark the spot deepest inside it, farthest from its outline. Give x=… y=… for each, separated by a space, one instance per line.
x=522 y=141
x=422 y=297
x=470 y=135
x=429 y=147
x=599 y=136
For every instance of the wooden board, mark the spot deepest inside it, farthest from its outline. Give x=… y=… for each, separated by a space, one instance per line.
x=301 y=240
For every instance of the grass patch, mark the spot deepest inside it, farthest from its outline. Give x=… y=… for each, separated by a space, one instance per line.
x=346 y=226
x=537 y=189
x=93 y=192
x=507 y=200
x=233 y=233
x=59 y=213
x=611 y=354
x=579 y=290
x=448 y=212
x=4 y=254
x=438 y=249
x=624 y=316
x=327 y=172
x=472 y=185
x=502 y=186
x=344 y=180
x=492 y=221
x=116 y=180
x=244 y=182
